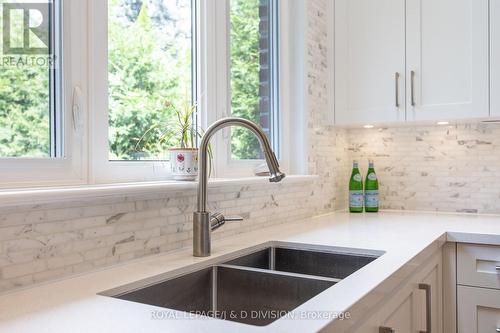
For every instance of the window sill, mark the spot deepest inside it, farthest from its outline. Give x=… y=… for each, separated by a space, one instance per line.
x=38 y=196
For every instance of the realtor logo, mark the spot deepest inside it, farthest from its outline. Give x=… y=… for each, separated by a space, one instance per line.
x=26 y=28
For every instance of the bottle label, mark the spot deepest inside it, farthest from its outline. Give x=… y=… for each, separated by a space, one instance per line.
x=356 y=199
x=357 y=177
x=371 y=198
x=372 y=176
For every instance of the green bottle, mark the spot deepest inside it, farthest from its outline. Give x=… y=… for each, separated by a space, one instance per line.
x=356 y=190
x=371 y=190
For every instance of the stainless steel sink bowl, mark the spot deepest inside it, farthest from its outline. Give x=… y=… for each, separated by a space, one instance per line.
x=255 y=286
x=332 y=264
x=242 y=295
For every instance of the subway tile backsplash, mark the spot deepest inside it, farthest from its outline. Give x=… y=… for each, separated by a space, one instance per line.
x=40 y=243
x=434 y=168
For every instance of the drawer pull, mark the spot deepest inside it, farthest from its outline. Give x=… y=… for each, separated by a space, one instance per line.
x=383 y=329
x=412 y=89
x=498 y=330
x=396 y=79
x=498 y=269
x=428 y=303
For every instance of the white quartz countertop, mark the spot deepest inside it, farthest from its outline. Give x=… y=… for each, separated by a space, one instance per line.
x=72 y=305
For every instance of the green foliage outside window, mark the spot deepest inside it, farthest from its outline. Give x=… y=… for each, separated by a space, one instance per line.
x=245 y=66
x=149 y=65
x=24 y=104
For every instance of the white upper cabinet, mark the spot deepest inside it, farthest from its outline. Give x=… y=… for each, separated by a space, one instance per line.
x=447 y=51
x=369 y=55
x=437 y=48
x=495 y=57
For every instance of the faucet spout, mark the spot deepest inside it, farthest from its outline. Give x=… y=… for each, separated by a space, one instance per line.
x=272 y=162
x=203 y=221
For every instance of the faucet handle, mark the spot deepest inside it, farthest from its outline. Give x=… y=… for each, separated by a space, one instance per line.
x=217 y=220
x=233 y=218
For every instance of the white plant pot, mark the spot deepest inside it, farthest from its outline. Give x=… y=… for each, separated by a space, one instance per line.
x=184 y=163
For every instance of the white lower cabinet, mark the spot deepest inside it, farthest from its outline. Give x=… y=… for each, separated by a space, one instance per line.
x=414 y=307
x=399 y=314
x=404 y=315
x=478 y=265
x=478 y=289
x=463 y=299
x=432 y=320
x=478 y=310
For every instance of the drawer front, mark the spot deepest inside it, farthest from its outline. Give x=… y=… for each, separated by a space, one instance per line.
x=478 y=310
x=488 y=319
x=478 y=265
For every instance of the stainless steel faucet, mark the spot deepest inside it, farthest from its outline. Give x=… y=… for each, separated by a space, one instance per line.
x=204 y=222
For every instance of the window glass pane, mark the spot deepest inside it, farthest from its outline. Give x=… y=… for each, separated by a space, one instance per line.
x=28 y=78
x=149 y=75
x=253 y=68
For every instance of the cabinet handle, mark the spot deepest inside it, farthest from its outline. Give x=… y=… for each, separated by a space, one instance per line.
x=412 y=88
x=497 y=269
x=396 y=79
x=498 y=329
x=383 y=329
x=428 y=303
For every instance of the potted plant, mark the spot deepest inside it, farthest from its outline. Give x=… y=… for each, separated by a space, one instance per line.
x=181 y=138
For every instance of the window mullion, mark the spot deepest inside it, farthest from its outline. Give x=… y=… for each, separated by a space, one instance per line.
x=56 y=95
x=276 y=118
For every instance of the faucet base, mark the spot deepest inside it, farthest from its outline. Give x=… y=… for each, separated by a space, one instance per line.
x=201 y=234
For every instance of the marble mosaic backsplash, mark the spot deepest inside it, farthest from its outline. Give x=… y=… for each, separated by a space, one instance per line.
x=433 y=168
x=44 y=242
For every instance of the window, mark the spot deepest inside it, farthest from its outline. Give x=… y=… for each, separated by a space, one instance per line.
x=254 y=73
x=83 y=85
x=42 y=74
x=150 y=70
x=30 y=78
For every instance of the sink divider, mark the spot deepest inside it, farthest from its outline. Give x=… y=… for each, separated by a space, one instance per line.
x=214 y=288
x=273 y=272
x=272 y=258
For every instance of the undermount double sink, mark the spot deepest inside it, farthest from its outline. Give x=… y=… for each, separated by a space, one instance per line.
x=254 y=287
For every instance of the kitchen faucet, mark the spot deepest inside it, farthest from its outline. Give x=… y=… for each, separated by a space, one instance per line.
x=203 y=221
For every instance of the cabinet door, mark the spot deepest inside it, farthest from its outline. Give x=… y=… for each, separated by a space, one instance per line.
x=495 y=57
x=369 y=54
x=403 y=319
x=447 y=52
x=478 y=310
x=430 y=289
x=409 y=309
x=399 y=314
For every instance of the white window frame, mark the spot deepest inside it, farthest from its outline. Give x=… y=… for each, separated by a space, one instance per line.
x=220 y=101
x=85 y=101
x=70 y=169
x=212 y=86
x=102 y=169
